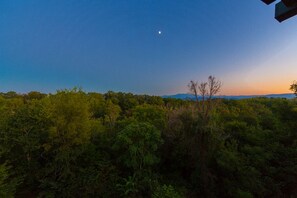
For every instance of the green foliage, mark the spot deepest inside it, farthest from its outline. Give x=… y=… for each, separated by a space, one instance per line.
x=97 y=104
x=70 y=118
x=154 y=115
x=76 y=144
x=8 y=184
x=34 y=95
x=137 y=144
x=129 y=187
x=112 y=112
x=69 y=132
x=166 y=191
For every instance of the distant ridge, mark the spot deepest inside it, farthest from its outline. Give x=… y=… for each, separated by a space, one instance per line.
x=233 y=97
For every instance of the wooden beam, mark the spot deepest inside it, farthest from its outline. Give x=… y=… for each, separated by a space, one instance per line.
x=268 y=1
x=290 y=3
x=283 y=12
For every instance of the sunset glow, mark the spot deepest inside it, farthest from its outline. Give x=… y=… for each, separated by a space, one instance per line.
x=113 y=45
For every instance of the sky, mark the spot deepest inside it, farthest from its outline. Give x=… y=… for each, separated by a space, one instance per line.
x=102 y=45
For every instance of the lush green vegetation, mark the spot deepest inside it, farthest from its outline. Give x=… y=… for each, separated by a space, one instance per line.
x=76 y=144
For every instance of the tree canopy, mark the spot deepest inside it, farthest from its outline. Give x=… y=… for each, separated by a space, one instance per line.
x=77 y=144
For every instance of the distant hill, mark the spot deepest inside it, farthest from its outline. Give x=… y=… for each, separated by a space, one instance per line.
x=238 y=97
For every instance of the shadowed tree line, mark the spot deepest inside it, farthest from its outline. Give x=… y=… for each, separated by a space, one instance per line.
x=77 y=144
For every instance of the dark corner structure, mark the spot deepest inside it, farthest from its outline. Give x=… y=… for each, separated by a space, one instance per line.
x=284 y=9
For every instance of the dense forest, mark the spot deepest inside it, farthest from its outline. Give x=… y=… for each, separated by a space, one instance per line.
x=78 y=144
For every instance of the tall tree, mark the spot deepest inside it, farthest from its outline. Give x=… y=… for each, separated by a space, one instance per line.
x=293 y=87
x=69 y=134
x=204 y=93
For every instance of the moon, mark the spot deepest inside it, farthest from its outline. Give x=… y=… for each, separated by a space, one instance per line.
x=159 y=32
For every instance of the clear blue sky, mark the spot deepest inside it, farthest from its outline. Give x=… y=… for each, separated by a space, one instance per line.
x=103 y=45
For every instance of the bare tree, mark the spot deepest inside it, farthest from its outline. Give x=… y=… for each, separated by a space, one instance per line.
x=293 y=87
x=206 y=91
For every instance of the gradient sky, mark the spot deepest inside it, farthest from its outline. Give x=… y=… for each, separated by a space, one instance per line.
x=103 y=45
